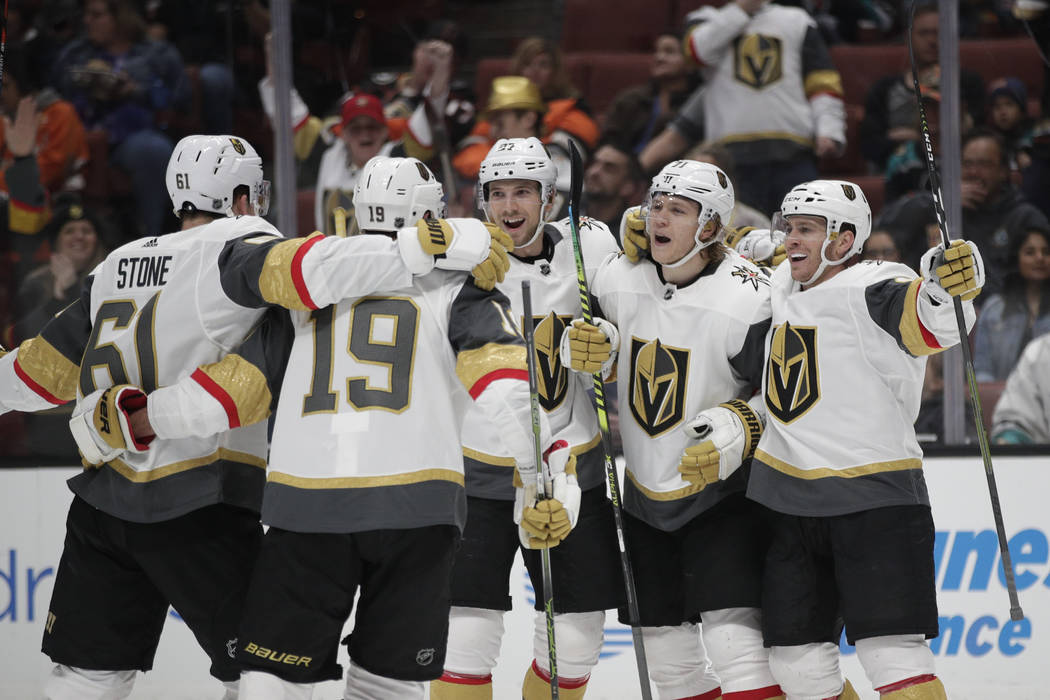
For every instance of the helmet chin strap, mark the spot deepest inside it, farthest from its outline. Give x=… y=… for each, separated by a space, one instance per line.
x=824 y=263
x=697 y=247
x=535 y=236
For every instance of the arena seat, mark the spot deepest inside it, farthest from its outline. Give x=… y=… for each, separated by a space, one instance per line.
x=608 y=73
x=852 y=161
x=304 y=212
x=614 y=25
x=1002 y=58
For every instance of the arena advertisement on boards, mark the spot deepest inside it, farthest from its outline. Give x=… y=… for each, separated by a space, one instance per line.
x=981 y=653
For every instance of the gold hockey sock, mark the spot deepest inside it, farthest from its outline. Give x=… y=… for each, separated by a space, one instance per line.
x=537 y=685
x=926 y=687
x=460 y=686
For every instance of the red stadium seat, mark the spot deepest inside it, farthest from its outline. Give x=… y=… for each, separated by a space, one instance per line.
x=614 y=25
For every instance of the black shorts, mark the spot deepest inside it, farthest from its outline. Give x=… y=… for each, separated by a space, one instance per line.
x=585 y=568
x=116 y=579
x=712 y=562
x=302 y=593
x=872 y=570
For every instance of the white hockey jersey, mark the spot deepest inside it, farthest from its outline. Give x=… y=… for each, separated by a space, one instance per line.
x=842 y=387
x=372 y=399
x=562 y=394
x=682 y=350
x=1024 y=406
x=152 y=311
x=769 y=78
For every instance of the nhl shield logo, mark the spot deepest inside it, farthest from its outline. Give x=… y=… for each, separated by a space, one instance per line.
x=757 y=60
x=552 y=379
x=658 y=379
x=424 y=657
x=238 y=146
x=792 y=384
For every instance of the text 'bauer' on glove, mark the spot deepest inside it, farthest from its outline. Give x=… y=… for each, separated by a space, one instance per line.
x=590 y=347
x=457 y=244
x=546 y=522
x=100 y=424
x=632 y=234
x=728 y=434
x=957 y=271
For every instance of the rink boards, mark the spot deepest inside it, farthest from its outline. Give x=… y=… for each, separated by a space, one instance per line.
x=981 y=653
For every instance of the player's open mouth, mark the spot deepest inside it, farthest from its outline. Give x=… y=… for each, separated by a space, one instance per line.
x=513 y=224
x=797 y=257
x=657 y=238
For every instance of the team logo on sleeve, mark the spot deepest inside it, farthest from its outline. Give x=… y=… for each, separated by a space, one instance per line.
x=792 y=384
x=552 y=380
x=658 y=379
x=757 y=60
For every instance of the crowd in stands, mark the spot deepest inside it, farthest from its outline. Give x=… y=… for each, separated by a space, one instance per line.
x=96 y=92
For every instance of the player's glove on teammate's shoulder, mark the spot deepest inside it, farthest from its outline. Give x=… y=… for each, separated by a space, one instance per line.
x=457 y=244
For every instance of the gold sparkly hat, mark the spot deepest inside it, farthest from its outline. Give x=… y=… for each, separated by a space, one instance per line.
x=514 y=92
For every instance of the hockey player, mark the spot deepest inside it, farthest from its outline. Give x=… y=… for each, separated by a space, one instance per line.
x=366 y=507
x=683 y=330
x=174 y=520
x=853 y=535
x=516 y=191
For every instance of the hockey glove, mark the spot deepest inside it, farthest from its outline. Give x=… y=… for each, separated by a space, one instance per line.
x=762 y=246
x=456 y=244
x=729 y=433
x=100 y=424
x=545 y=523
x=632 y=234
x=957 y=271
x=590 y=348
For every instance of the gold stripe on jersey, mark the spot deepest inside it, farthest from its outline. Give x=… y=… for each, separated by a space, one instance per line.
x=275 y=281
x=26 y=220
x=763 y=135
x=472 y=365
x=363 y=482
x=222 y=453
x=586 y=447
x=246 y=385
x=675 y=495
x=894 y=465
x=911 y=327
x=306 y=136
x=486 y=458
x=49 y=368
x=827 y=81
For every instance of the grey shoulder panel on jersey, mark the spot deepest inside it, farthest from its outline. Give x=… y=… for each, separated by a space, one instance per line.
x=241 y=263
x=885 y=301
x=68 y=332
x=478 y=317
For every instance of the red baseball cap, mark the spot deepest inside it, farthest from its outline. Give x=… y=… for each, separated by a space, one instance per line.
x=363 y=104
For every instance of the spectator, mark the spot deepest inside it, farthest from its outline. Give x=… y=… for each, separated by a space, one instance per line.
x=993 y=211
x=1022 y=415
x=118 y=80
x=1008 y=115
x=542 y=62
x=24 y=212
x=779 y=99
x=718 y=155
x=76 y=248
x=61 y=148
x=906 y=170
x=881 y=246
x=515 y=110
x=891 y=115
x=639 y=113
x=1010 y=319
x=612 y=182
x=197 y=29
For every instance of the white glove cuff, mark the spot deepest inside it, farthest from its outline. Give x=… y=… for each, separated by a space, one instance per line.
x=471 y=243
x=416 y=259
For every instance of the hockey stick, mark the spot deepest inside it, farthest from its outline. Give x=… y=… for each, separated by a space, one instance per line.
x=971 y=377
x=575 y=190
x=541 y=486
x=3 y=42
